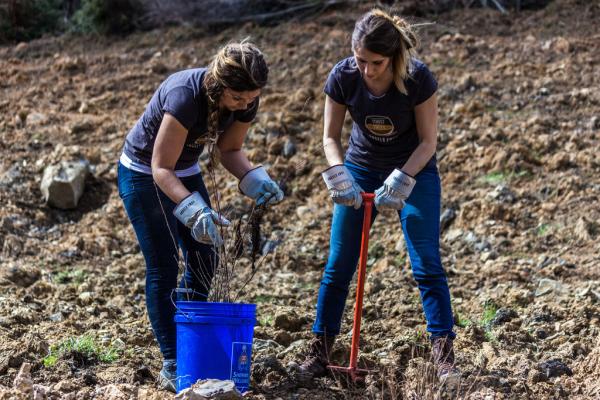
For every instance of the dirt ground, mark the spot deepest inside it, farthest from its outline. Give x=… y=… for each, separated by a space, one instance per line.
x=518 y=147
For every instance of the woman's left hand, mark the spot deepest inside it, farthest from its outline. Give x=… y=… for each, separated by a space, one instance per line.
x=258 y=185
x=395 y=190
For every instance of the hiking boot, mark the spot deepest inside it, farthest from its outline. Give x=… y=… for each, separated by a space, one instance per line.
x=317 y=359
x=442 y=349
x=168 y=375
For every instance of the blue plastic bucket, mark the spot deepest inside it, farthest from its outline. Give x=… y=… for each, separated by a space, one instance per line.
x=214 y=341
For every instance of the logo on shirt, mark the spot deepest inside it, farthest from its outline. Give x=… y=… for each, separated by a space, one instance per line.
x=379 y=125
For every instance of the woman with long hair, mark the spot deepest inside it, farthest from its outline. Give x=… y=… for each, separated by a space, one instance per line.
x=391 y=97
x=161 y=184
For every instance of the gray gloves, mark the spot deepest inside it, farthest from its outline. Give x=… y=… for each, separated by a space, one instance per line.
x=194 y=213
x=342 y=187
x=395 y=190
x=258 y=185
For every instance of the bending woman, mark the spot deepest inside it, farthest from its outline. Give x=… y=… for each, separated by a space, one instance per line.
x=161 y=184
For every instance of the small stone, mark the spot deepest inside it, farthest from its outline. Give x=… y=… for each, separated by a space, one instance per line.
x=503 y=315
x=446 y=218
x=289 y=149
x=554 y=367
x=546 y=286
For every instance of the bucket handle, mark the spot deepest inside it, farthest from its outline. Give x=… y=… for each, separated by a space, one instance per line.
x=188 y=291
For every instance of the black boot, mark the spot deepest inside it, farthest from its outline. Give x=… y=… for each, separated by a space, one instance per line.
x=442 y=349
x=317 y=359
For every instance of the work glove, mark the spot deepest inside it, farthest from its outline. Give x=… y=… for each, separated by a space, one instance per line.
x=395 y=190
x=194 y=213
x=258 y=185
x=342 y=187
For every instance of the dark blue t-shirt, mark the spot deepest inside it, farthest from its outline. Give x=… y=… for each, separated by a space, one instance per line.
x=384 y=134
x=182 y=96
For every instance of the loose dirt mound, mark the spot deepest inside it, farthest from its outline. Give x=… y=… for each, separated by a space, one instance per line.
x=518 y=153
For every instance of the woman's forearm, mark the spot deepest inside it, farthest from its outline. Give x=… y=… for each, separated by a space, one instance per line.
x=333 y=151
x=419 y=158
x=236 y=162
x=170 y=184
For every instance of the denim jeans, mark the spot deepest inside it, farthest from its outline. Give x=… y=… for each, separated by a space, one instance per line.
x=420 y=219
x=160 y=236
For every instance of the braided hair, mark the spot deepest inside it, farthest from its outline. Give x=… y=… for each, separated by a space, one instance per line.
x=389 y=36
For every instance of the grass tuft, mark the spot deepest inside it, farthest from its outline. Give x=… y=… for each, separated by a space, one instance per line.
x=83 y=350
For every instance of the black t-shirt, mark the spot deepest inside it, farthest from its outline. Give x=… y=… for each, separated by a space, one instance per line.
x=384 y=134
x=182 y=96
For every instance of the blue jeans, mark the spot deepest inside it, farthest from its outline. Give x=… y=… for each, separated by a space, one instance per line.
x=160 y=236
x=420 y=220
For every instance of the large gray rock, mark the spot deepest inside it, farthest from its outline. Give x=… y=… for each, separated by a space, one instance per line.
x=210 y=389
x=63 y=184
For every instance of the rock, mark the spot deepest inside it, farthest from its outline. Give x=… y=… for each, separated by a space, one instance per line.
x=583 y=229
x=260 y=345
x=63 y=184
x=466 y=82
x=23 y=382
x=150 y=394
x=40 y=392
x=546 y=286
x=446 y=218
x=12 y=246
x=270 y=246
x=65 y=386
x=503 y=315
x=82 y=127
x=453 y=234
x=86 y=298
x=114 y=392
x=501 y=193
x=553 y=368
x=210 y=389
x=289 y=149
x=35 y=118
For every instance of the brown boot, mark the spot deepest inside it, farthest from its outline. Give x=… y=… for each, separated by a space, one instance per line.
x=317 y=359
x=442 y=349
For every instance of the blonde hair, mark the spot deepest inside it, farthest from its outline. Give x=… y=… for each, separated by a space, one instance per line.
x=238 y=66
x=389 y=36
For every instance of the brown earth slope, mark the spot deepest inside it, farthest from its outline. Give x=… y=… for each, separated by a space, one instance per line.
x=518 y=153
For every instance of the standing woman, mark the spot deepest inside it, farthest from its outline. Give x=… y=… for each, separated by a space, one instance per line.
x=391 y=98
x=162 y=188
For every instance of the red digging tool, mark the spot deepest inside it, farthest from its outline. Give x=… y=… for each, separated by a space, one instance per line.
x=357 y=374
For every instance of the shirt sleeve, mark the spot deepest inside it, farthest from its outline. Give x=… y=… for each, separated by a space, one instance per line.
x=179 y=102
x=333 y=87
x=248 y=114
x=427 y=85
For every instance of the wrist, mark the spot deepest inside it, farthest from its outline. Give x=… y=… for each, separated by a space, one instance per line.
x=401 y=181
x=249 y=181
x=189 y=207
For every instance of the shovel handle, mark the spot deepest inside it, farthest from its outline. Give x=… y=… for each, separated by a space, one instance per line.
x=362 y=270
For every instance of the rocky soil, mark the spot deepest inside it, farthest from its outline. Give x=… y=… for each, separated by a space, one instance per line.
x=518 y=154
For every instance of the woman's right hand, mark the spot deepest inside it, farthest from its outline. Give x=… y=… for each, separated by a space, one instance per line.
x=342 y=187
x=194 y=213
